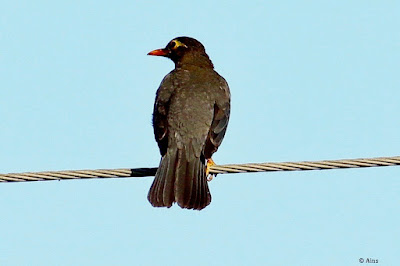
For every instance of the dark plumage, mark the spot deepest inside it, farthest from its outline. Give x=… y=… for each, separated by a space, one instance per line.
x=190 y=118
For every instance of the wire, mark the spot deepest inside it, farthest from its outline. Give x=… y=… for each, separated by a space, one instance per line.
x=216 y=169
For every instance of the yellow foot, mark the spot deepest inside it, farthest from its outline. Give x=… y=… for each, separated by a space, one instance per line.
x=210 y=163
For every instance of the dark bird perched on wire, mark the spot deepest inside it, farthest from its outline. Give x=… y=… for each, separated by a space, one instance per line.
x=190 y=117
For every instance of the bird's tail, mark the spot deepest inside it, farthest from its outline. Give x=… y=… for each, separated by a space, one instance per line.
x=181 y=177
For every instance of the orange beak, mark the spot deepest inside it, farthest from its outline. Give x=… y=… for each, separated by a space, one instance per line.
x=159 y=52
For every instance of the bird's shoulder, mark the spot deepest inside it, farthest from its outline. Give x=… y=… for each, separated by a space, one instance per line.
x=223 y=94
x=191 y=78
x=166 y=88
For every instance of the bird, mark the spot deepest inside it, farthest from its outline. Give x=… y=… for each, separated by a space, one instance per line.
x=190 y=118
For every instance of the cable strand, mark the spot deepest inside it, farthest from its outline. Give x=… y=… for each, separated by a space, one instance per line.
x=216 y=169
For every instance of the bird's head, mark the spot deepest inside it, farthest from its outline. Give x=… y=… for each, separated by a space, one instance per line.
x=184 y=50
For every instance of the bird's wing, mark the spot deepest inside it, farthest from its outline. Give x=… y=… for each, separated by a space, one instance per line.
x=160 y=113
x=220 y=120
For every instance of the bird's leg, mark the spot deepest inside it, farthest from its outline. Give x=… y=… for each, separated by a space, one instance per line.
x=210 y=163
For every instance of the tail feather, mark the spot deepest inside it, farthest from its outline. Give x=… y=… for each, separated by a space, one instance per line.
x=157 y=184
x=190 y=190
x=204 y=196
x=161 y=191
x=167 y=191
x=195 y=186
x=198 y=198
x=180 y=178
x=185 y=177
x=181 y=182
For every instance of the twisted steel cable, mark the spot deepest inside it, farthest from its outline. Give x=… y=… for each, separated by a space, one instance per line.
x=216 y=169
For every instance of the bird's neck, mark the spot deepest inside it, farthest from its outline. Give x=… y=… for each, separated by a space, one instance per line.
x=200 y=60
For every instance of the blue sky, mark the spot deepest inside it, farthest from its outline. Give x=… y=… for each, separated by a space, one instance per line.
x=310 y=80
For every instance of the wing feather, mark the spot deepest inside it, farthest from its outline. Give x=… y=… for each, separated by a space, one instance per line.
x=160 y=113
x=220 y=120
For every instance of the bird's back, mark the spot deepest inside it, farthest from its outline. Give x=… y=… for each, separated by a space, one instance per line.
x=191 y=106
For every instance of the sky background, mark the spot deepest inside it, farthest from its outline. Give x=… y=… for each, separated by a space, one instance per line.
x=310 y=80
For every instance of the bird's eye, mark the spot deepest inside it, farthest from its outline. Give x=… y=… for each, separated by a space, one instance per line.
x=175 y=44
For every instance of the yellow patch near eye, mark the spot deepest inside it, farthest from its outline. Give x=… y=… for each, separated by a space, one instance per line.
x=178 y=44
